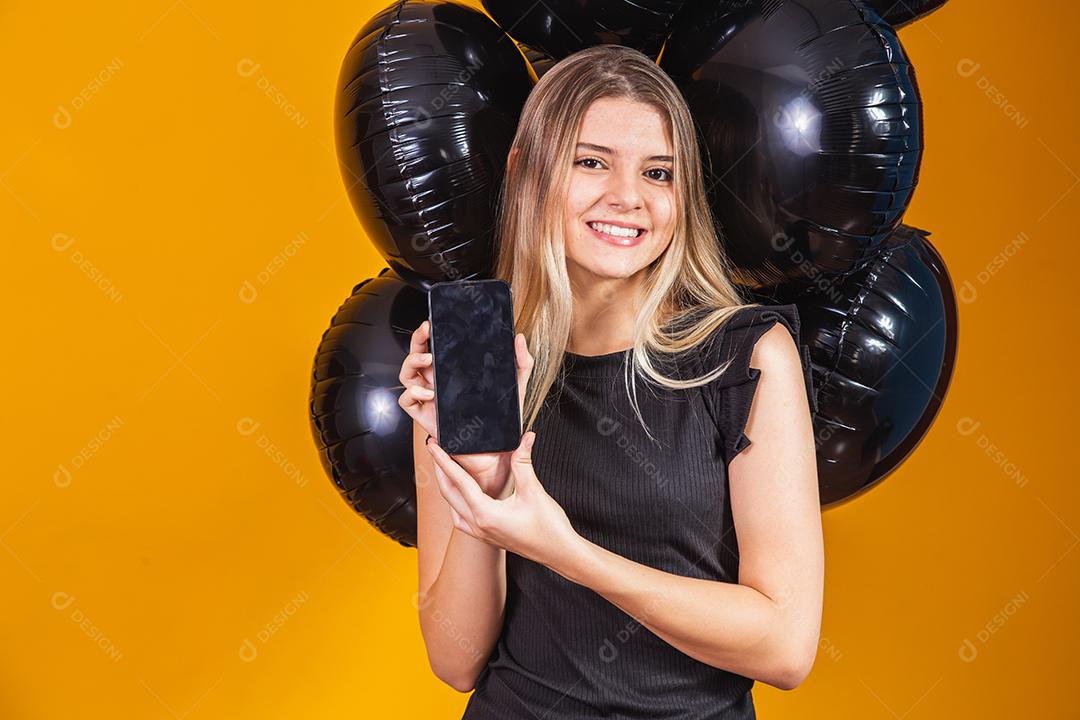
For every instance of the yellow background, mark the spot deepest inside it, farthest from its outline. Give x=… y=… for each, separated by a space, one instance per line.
x=166 y=499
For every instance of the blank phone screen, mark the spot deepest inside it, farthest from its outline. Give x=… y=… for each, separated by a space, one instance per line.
x=475 y=369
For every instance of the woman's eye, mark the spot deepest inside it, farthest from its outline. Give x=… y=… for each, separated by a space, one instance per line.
x=666 y=177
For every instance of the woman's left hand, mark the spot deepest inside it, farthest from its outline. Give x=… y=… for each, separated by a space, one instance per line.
x=528 y=523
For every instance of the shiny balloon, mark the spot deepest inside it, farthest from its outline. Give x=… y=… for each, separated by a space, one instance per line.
x=428 y=100
x=811 y=126
x=883 y=346
x=363 y=436
x=559 y=28
x=901 y=12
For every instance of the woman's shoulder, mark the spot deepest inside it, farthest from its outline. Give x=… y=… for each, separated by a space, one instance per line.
x=735 y=339
x=735 y=335
x=732 y=393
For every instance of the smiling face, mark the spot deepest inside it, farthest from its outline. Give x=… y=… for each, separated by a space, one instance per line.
x=622 y=177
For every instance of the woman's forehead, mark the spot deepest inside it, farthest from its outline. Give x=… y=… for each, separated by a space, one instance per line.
x=623 y=127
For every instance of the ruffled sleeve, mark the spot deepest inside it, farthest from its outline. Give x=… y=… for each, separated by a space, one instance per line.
x=733 y=392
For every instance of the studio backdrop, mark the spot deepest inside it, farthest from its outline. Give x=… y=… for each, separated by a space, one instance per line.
x=222 y=221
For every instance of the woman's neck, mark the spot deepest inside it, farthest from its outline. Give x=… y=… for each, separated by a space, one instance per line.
x=604 y=317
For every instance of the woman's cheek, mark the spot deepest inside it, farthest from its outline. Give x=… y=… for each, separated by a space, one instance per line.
x=663 y=212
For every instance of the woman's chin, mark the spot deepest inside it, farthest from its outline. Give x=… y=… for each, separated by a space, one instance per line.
x=600 y=273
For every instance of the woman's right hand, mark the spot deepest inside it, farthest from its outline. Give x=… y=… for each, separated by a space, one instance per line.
x=491 y=470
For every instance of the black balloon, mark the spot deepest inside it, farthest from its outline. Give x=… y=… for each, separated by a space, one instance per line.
x=811 y=126
x=900 y=12
x=811 y=131
x=559 y=28
x=428 y=101
x=363 y=436
x=883 y=345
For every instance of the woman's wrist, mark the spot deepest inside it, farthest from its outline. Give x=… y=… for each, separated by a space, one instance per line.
x=577 y=561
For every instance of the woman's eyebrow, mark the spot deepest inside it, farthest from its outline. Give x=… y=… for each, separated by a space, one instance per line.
x=609 y=151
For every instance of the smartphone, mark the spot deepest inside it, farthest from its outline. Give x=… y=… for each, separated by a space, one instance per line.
x=474 y=365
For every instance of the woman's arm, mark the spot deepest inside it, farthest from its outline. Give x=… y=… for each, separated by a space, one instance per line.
x=462 y=583
x=767 y=625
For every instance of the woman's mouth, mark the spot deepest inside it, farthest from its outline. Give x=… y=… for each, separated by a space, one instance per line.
x=615 y=234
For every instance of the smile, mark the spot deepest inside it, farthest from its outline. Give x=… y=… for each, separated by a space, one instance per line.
x=617 y=237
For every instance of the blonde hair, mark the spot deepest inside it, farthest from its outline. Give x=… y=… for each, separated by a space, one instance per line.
x=692 y=275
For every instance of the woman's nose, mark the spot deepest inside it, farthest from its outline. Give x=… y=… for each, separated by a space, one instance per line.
x=623 y=190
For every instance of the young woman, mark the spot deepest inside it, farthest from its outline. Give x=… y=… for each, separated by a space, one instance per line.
x=640 y=555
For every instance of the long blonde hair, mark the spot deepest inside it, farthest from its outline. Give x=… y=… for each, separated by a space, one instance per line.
x=692 y=275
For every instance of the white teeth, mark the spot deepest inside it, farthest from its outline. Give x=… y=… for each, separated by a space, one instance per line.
x=614 y=230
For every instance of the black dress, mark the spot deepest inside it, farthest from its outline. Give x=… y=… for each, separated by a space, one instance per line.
x=566 y=651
